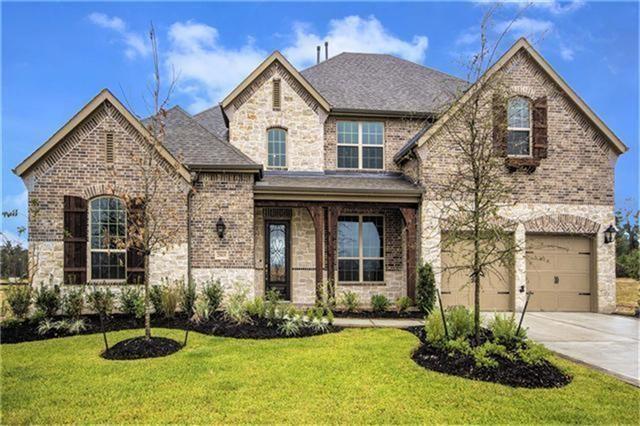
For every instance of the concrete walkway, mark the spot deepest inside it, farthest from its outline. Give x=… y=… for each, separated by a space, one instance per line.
x=609 y=343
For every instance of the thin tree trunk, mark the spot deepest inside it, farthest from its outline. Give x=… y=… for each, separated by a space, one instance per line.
x=147 y=310
x=104 y=334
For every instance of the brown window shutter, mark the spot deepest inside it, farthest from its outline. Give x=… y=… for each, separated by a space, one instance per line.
x=540 y=139
x=277 y=96
x=75 y=240
x=135 y=254
x=499 y=125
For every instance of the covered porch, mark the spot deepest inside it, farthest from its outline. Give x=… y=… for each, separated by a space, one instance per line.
x=358 y=232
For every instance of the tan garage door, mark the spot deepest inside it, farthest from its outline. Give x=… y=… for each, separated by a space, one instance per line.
x=559 y=273
x=457 y=288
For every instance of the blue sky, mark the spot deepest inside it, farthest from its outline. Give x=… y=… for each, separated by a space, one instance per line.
x=57 y=56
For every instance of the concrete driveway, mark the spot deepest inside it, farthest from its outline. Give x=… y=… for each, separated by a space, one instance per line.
x=607 y=342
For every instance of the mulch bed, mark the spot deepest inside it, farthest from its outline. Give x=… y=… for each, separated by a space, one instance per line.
x=218 y=325
x=510 y=373
x=140 y=347
x=385 y=314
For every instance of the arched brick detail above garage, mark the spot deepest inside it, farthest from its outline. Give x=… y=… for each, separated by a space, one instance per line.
x=562 y=224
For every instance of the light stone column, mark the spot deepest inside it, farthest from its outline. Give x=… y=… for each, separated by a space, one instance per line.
x=520 y=268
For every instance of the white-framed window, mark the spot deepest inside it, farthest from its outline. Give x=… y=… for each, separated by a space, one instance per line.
x=519 y=127
x=360 y=145
x=277 y=148
x=108 y=232
x=360 y=248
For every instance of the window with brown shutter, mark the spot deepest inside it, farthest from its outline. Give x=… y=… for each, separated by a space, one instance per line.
x=499 y=125
x=109 y=147
x=135 y=252
x=75 y=240
x=277 y=96
x=540 y=139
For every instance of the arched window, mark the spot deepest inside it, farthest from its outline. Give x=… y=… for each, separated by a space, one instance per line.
x=277 y=148
x=108 y=230
x=519 y=127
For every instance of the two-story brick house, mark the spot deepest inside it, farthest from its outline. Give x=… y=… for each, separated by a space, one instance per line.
x=325 y=174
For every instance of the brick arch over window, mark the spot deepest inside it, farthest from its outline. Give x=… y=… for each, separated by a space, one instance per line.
x=562 y=223
x=102 y=189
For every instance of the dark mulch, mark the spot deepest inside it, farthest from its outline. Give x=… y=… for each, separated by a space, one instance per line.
x=385 y=314
x=510 y=373
x=140 y=347
x=218 y=325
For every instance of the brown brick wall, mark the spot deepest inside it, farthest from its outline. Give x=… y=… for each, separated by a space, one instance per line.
x=579 y=168
x=397 y=131
x=229 y=196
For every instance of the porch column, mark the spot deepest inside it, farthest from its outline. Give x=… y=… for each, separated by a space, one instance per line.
x=409 y=216
x=317 y=215
x=332 y=227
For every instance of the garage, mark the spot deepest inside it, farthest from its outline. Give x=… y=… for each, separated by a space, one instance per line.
x=457 y=289
x=559 y=273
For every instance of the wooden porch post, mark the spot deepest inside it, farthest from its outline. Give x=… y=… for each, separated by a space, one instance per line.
x=317 y=215
x=409 y=216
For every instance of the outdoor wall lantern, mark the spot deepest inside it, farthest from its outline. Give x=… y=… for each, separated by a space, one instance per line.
x=220 y=227
x=610 y=234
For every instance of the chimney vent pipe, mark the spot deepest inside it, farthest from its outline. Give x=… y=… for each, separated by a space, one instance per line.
x=326 y=50
x=318 y=55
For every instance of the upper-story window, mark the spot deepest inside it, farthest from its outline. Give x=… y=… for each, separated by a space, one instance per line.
x=360 y=145
x=277 y=148
x=519 y=127
x=107 y=224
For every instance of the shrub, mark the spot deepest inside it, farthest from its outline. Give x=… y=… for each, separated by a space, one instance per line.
x=68 y=326
x=289 y=327
x=201 y=312
x=256 y=307
x=425 y=289
x=503 y=328
x=434 y=329
x=533 y=353
x=213 y=293
x=235 y=308
x=485 y=354
x=47 y=300
x=132 y=302
x=101 y=301
x=169 y=297
x=403 y=304
x=319 y=325
x=155 y=295
x=629 y=264
x=459 y=322
x=379 y=303
x=188 y=297
x=349 y=301
x=75 y=326
x=459 y=346
x=19 y=300
x=73 y=303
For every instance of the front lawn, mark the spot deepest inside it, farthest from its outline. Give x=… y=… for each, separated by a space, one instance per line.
x=357 y=375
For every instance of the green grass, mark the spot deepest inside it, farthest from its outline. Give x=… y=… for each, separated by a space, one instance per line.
x=356 y=376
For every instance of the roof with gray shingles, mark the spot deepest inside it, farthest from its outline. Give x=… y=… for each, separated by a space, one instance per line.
x=338 y=182
x=195 y=146
x=375 y=82
x=213 y=119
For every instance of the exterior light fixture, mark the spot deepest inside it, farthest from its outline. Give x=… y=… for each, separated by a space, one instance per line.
x=220 y=227
x=610 y=234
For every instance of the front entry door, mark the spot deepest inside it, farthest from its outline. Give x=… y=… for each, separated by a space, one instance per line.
x=277 y=244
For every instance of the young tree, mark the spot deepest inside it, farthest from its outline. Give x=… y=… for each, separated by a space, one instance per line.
x=472 y=193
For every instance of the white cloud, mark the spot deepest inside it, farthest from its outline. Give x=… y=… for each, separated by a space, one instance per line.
x=207 y=70
x=524 y=27
x=566 y=53
x=135 y=44
x=353 y=34
x=554 y=7
x=17 y=202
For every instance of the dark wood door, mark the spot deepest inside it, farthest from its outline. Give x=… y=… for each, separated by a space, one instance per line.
x=277 y=245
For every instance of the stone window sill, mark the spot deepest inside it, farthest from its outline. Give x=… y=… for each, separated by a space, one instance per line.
x=363 y=284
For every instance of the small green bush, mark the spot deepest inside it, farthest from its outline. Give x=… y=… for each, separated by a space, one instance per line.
x=459 y=322
x=19 y=300
x=533 y=353
x=379 y=303
x=425 y=289
x=235 y=309
x=155 y=296
x=132 y=302
x=503 y=329
x=213 y=293
x=289 y=327
x=68 y=326
x=101 y=301
x=349 y=301
x=629 y=264
x=434 y=329
x=188 y=297
x=485 y=354
x=73 y=303
x=459 y=346
x=257 y=307
x=403 y=304
x=47 y=300
x=201 y=312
